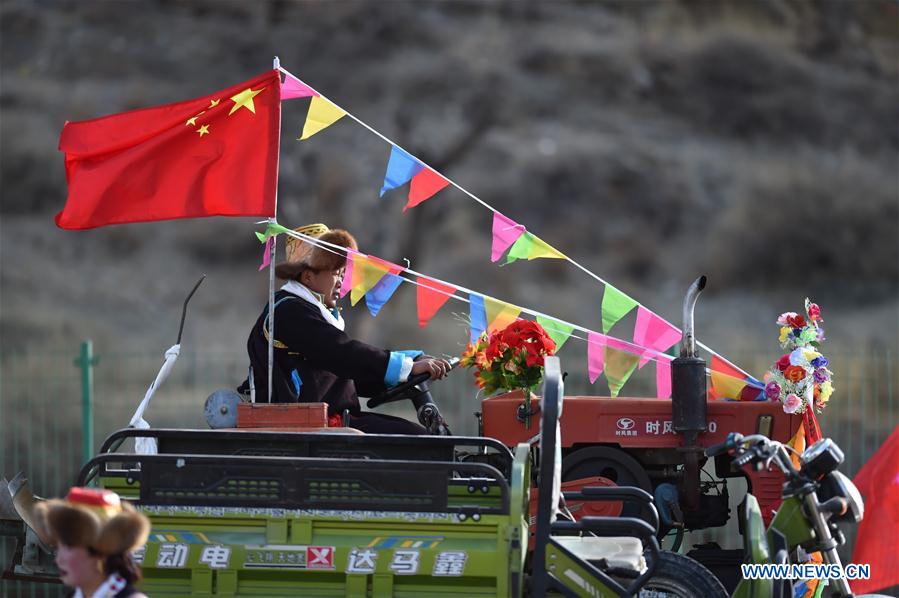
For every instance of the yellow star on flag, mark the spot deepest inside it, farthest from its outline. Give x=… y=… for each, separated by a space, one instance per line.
x=214 y=103
x=203 y=130
x=191 y=122
x=244 y=99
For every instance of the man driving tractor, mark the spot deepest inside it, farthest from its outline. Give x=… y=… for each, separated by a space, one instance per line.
x=314 y=359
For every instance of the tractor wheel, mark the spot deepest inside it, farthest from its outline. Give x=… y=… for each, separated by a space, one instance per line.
x=677 y=576
x=611 y=463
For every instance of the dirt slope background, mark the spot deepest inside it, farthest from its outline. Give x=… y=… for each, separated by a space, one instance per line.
x=755 y=142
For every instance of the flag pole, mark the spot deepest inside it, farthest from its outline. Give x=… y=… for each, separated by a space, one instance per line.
x=276 y=64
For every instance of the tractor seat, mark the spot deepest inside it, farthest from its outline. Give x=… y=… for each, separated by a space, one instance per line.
x=624 y=554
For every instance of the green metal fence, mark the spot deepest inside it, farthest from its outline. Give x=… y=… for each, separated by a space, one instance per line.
x=42 y=431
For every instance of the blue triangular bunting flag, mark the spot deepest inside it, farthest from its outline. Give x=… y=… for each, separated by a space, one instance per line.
x=382 y=292
x=478 y=316
x=401 y=167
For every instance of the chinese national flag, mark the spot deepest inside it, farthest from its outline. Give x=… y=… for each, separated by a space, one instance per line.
x=211 y=156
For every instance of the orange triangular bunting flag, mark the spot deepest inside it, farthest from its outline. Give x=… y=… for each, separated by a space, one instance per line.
x=499 y=314
x=431 y=295
x=727 y=381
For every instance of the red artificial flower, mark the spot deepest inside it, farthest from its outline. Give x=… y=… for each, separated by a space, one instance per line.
x=533 y=359
x=814 y=312
x=784 y=362
x=796 y=321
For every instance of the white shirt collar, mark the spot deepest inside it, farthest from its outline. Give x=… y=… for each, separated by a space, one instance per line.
x=302 y=291
x=109 y=588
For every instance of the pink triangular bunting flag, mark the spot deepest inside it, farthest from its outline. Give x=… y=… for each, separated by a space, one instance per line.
x=653 y=333
x=347 y=283
x=423 y=186
x=294 y=88
x=505 y=233
x=663 y=378
x=267 y=254
x=595 y=350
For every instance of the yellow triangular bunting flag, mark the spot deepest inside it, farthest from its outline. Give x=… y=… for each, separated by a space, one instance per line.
x=366 y=274
x=540 y=248
x=619 y=365
x=322 y=114
x=499 y=314
x=727 y=387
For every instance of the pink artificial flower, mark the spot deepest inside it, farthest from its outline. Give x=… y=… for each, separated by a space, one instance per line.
x=772 y=390
x=784 y=317
x=792 y=403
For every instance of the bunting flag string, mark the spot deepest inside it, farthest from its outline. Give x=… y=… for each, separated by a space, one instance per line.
x=325 y=112
x=602 y=349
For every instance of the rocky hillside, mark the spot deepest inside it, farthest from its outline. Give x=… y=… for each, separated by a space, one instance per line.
x=755 y=142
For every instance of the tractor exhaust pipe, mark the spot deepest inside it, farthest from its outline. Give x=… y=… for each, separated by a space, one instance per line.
x=689 y=408
x=688 y=346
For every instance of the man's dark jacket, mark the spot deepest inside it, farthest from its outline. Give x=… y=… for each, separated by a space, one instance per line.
x=330 y=366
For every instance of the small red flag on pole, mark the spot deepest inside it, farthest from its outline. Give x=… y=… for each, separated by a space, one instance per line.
x=210 y=156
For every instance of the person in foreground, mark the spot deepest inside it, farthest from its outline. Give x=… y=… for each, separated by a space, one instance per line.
x=315 y=360
x=95 y=534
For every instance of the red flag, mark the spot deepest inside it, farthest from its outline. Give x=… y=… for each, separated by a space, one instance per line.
x=877 y=541
x=430 y=296
x=211 y=156
x=424 y=184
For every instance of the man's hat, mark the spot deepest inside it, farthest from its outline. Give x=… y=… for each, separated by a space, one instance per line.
x=303 y=255
x=95 y=519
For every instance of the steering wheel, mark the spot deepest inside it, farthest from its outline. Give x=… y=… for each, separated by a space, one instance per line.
x=406 y=390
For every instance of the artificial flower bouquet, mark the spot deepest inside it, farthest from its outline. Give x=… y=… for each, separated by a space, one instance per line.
x=800 y=378
x=510 y=358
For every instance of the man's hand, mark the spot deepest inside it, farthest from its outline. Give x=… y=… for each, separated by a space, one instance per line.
x=438 y=368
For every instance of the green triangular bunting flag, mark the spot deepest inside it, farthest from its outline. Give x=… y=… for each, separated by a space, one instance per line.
x=615 y=305
x=270 y=231
x=530 y=247
x=619 y=365
x=556 y=330
x=521 y=248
